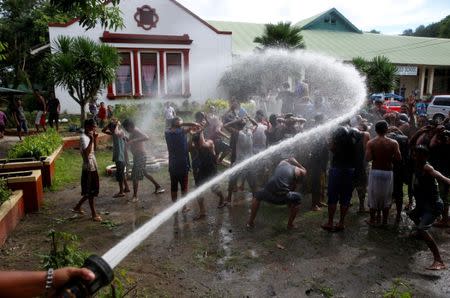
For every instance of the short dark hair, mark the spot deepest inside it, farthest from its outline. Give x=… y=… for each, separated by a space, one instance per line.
x=174 y=121
x=381 y=127
x=422 y=150
x=89 y=122
x=128 y=124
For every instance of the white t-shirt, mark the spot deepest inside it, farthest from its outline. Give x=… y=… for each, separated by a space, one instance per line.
x=169 y=113
x=89 y=163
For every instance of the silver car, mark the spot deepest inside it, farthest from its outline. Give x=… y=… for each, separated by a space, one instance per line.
x=439 y=107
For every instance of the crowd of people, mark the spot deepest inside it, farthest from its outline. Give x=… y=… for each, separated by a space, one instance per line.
x=374 y=153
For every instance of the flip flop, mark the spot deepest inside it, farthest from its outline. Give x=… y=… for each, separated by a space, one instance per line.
x=220 y=206
x=119 y=195
x=159 y=190
x=78 y=211
x=97 y=218
x=327 y=228
x=199 y=217
x=338 y=228
x=434 y=267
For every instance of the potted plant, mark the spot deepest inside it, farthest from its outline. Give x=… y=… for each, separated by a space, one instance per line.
x=11 y=210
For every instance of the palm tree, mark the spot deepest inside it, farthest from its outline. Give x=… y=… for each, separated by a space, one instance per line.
x=83 y=67
x=380 y=73
x=281 y=35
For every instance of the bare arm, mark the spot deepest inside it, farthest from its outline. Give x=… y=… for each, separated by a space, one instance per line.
x=32 y=283
x=140 y=137
x=436 y=174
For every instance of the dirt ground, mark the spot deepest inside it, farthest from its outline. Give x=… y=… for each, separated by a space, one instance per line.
x=220 y=257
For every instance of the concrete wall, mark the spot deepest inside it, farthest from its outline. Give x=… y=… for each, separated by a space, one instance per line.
x=210 y=52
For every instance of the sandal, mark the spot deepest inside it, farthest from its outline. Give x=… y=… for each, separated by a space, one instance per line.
x=159 y=190
x=78 y=211
x=97 y=218
x=119 y=195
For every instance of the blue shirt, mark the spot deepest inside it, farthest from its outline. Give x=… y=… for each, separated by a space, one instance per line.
x=177 y=147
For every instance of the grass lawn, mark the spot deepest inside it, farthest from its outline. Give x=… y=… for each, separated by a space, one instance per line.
x=68 y=167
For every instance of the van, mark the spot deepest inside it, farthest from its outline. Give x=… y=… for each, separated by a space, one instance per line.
x=439 y=107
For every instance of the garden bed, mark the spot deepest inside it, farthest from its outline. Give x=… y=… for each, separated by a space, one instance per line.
x=11 y=212
x=30 y=182
x=74 y=142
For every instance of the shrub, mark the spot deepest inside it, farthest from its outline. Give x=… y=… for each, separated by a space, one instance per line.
x=5 y=192
x=37 y=146
x=219 y=103
x=65 y=251
x=123 y=112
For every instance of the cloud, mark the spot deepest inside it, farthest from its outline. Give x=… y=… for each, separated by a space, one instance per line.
x=366 y=15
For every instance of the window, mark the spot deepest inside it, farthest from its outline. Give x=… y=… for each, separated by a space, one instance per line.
x=174 y=74
x=442 y=101
x=123 y=76
x=149 y=74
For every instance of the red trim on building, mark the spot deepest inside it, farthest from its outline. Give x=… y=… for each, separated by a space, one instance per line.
x=110 y=94
x=145 y=38
x=162 y=57
x=173 y=1
x=187 y=88
x=137 y=79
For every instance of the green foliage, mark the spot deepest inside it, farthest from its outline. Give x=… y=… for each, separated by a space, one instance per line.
x=90 y=12
x=2 y=51
x=83 y=67
x=121 y=286
x=380 y=73
x=281 y=35
x=5 y=192
x=122 y=111
x=64 y=251
x=219 y=103
x=399 y=289
x=439 y=29
x=37 y=146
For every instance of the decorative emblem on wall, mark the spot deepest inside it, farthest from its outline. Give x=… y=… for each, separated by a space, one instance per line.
x=146 y=17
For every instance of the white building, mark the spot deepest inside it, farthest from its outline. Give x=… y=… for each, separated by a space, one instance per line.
x=167 y=52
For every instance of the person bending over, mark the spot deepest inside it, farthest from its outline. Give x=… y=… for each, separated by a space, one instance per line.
x=279 y=190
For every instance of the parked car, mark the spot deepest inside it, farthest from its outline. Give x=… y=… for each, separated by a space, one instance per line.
x=386 y=96
x=391 y=106
x=439 y=107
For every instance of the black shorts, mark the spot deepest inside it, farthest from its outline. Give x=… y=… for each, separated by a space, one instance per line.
x=89 y=183
x=279 y=199
x=182 y=179
x=120 y=171
x=53 y=118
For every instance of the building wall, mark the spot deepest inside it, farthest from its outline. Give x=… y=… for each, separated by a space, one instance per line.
x=410 y=83
x=210 y=53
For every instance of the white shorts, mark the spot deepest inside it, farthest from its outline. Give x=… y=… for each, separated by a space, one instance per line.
x=381 y=185
x=37 y=121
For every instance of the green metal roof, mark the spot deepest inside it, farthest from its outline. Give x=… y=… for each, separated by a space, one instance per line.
x=348 y=45
x=316 y=22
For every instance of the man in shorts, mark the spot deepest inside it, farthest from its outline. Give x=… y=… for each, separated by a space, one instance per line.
x=136 y=143
x=120 y=156
x=428 y=203
x=19 y=118
x=340 y=176
x=41 y=110
x=89 y=173
x=179 y=164
x=279 y=190
x=383 y=152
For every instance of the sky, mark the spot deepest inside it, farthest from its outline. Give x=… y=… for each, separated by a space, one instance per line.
x=387 y=16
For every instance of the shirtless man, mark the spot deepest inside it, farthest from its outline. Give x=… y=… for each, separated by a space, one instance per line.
x=382 y=151
x=136 y=145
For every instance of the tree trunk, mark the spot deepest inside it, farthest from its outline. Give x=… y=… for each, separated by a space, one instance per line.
x=82 y=115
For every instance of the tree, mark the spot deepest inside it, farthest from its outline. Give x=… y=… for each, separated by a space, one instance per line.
x=374 y=31
x=408 y=32
x=92 y=11
x=380 y=73
x=2 y=49
x=281 y=35
x=439 y=29
x=83 y=67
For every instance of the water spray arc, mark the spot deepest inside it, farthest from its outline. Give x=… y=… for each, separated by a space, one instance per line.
x=344 y=83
